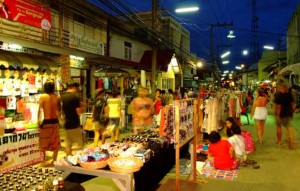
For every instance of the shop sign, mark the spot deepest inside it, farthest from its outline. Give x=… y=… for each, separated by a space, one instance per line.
x=65 y=71
x=19 y=150
x=29 y=12
x=81 y=42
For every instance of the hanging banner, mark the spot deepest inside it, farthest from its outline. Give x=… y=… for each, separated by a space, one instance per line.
x=29 y=12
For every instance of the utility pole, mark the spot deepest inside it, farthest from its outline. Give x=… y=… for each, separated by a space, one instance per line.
x=154 y=45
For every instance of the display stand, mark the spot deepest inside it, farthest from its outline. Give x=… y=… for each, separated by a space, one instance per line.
x=186 y=132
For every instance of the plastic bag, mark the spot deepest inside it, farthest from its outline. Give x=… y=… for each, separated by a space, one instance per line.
x=89 y=125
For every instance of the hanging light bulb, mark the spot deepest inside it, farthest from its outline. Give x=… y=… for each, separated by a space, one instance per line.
x=230 y=35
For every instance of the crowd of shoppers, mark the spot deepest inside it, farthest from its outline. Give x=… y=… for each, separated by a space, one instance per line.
x=224 y=153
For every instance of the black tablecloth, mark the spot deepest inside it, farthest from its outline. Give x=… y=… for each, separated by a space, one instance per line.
x=149 y=176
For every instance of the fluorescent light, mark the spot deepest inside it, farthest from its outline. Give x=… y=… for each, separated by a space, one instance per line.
x=226 y=71
x=225 y=54
x=238 y=67
x=269 y=47
x=225 y=62
x=223 y=74
x=76 y=58
x=186 y=9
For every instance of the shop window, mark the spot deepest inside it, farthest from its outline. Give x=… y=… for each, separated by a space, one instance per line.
x=167 y=83
x=127 y=50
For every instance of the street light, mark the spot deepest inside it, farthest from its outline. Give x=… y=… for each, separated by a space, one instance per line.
x=245 y=52
x=199 y=64
x=225 y=54
x=186 y=9
x=230 y=35
x=268 y=47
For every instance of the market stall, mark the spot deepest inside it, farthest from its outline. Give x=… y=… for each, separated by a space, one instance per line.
x=156 y=150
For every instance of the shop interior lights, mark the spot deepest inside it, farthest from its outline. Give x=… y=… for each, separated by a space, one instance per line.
x=76 y=58
x=12 y=47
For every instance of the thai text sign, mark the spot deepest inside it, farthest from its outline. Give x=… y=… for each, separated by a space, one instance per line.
x=19 y=150
x=29 y=12
x=86 y=44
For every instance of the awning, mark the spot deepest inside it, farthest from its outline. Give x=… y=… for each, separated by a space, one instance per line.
x=23 y=60
x=291 y=68
x=7 y=59
x=163 y=59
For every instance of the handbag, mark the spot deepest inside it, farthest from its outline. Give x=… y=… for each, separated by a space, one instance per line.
x=103 y=119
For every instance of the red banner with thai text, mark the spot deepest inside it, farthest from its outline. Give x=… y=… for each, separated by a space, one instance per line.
x=29 y=12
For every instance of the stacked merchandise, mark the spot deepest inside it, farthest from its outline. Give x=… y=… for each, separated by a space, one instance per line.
x=32 y=178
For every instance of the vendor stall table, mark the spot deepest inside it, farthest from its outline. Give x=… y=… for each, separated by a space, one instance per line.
x=19 y=149
x=125 y=182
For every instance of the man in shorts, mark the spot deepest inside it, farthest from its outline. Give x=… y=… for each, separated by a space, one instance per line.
x=284 y=113
x=72 y=108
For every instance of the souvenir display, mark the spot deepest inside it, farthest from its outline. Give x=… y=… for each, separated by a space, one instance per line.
x=24 y=85
x=16 y=83
x=8 y=83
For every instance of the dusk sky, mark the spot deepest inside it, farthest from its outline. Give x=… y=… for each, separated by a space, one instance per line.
x=273 y=15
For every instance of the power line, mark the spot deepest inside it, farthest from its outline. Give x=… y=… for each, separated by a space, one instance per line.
x=264 y=32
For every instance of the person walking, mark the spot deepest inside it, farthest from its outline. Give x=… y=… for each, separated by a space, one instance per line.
x=142 y=111
x=50 y=107
x=114 y=114
x=72 y=108
x=99 y=109
x=259 y=113
x=284 y=113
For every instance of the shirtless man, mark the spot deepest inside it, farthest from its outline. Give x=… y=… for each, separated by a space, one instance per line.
x=49 y=129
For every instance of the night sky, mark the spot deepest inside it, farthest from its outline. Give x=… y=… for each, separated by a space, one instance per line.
x=273 y=15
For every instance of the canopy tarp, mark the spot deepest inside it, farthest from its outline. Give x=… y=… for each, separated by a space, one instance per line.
x=291 y=68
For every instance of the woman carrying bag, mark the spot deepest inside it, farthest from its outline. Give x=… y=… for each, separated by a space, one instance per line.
x=99 y=116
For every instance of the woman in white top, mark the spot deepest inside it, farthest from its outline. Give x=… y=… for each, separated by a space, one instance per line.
x=235 y=138
x=259 y=113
